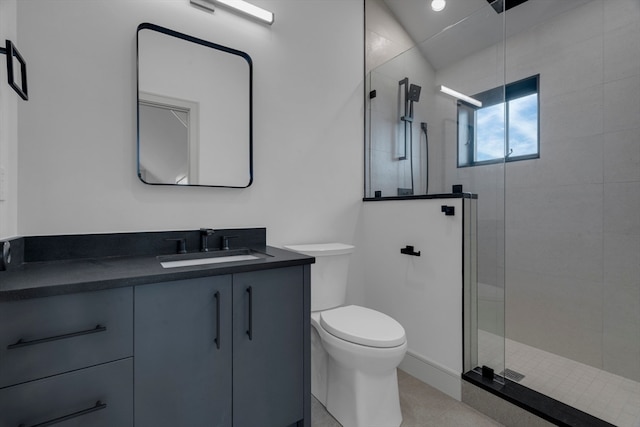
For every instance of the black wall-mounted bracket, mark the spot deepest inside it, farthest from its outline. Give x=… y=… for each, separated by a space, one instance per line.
x=487 y=372
x=10 y=51
x=409 y=250
x=448 y=210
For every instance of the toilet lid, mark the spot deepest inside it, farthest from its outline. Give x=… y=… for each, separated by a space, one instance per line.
x=363 y=326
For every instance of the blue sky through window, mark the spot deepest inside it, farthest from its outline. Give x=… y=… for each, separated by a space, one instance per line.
x=490 y=133
x=523 y=125
x=523 y=129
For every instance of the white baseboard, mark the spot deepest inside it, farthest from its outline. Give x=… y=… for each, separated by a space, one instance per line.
x=444 y=379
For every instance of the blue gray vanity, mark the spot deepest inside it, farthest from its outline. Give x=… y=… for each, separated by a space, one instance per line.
x=94 y=328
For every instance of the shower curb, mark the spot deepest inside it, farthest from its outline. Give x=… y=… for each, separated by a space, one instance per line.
x=536 y=403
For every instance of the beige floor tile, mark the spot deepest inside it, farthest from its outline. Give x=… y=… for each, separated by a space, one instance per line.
x=422 y=406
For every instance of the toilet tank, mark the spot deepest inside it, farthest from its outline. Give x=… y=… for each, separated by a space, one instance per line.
x=328 y=274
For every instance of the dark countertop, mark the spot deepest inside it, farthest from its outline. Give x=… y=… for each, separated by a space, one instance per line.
x=42 y=279
x=116 y=264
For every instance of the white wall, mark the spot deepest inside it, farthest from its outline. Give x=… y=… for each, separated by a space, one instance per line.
x=385 y=37
x=423 y=293
x=8 y=127
x=77 y=133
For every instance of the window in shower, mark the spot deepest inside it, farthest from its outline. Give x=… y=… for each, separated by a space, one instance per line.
x=509 y=113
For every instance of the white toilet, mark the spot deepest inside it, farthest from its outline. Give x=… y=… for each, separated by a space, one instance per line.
x=354 y=350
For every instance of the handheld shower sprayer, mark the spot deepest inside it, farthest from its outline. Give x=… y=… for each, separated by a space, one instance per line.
x=414 y=93
x=411 y=94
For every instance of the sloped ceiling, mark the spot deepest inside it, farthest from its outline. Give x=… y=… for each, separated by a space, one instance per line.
x=468 y=26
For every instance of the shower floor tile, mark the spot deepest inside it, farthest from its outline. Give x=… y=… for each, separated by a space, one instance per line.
x=607 y=396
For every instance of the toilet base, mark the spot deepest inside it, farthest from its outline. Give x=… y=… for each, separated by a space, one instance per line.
x=356 y=399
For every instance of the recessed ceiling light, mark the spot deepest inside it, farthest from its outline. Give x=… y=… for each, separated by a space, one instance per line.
x=438 y=5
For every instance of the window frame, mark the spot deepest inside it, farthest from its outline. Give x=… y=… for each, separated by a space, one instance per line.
x=498 y=95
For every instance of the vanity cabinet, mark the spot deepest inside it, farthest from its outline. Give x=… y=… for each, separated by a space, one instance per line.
x=67 y=359
x=222 y=350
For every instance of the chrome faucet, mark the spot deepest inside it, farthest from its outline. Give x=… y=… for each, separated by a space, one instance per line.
x=204 y=238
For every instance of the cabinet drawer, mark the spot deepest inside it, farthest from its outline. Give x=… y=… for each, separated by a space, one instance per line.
x=100 y=396
x=47 y=336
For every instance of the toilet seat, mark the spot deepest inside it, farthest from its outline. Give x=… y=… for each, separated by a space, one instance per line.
x=360 y=325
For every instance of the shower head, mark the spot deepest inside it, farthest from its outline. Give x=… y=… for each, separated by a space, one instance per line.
x=414 y=93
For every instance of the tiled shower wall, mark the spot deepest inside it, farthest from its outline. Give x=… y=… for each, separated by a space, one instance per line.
x=572 y=217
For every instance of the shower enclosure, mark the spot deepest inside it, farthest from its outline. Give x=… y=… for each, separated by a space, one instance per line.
x=553 y=154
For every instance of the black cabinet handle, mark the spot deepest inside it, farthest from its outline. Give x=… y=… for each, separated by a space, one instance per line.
x=250 y=330
x=22 y=343
x=217 y=340
x=98 y=406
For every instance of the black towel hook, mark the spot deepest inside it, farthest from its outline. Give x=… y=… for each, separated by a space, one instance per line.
x=409 y=250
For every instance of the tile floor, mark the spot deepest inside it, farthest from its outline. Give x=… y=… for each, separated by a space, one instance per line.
x=607 y=396
x=422 y=406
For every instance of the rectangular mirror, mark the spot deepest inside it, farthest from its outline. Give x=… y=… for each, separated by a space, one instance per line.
x=194 y=111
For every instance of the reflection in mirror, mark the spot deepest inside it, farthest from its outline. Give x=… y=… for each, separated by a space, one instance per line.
x=194 y=111
x=169 y=141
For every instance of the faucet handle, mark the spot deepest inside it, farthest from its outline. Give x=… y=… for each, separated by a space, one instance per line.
x=207 y=231
x=225 y=242
x=182 y=245
x=204 y=234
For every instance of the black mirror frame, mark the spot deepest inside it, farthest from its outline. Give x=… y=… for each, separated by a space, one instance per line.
x=244 y=55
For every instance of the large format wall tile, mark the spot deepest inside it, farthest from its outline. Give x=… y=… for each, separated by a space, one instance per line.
x=562 y=161
x=622 y=104
x=561 y=208
x=621 y=329
x=571 y=255
x=622 y=207
x=562 y=315
x=622 y=156
x=622 y=52
x=572 y=115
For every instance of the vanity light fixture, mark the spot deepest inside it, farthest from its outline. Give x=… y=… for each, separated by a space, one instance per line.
x=460 y=96
x=438 y=5
x=241 y=6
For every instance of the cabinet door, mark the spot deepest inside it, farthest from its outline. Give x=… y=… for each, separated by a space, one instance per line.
x=182 y=350
x=268 y=342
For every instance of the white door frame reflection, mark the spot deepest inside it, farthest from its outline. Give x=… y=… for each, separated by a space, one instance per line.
x=169 y=125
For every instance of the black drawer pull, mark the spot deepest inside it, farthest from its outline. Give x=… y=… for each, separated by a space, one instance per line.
x=21 y=343
x=98 y=406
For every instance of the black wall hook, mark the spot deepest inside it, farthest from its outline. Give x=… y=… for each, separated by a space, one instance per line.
x=448 y=210
x=408 y=250
x=10 y=51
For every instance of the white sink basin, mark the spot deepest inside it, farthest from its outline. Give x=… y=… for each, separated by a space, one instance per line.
x=213 y=257
x=204 y=261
